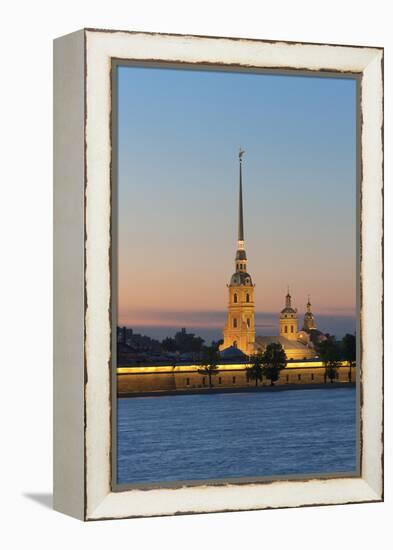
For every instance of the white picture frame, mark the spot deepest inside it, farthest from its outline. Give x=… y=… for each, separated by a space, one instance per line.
x=82 y=241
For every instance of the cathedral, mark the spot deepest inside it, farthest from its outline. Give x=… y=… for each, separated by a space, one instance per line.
x=239 y=330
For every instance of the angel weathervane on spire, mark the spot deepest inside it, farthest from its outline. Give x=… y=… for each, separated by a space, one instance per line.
x=241 y=153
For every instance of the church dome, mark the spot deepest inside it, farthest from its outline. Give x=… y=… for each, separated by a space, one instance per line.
x=232 y=353
x=289 y=310
x=241 y=278
x=309 y=322
x=241 y=254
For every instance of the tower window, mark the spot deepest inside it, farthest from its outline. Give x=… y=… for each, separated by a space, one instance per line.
x=234 y=344
x=247 y=297
x=235 y=323
x=248 y=323
x=291 y=328
x=285 y=329
x=235 y=298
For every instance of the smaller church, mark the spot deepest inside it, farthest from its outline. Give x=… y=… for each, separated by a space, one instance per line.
x=297 y=344
x=239 y=330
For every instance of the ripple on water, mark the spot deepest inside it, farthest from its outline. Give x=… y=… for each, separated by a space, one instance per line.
x=216 y=436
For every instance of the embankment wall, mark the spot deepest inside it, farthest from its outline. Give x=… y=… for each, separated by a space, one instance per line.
x=164 y=379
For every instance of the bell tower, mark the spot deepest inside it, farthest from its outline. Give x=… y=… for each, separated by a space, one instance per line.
x=239 y=329
x=309 y=321
x=288 y=319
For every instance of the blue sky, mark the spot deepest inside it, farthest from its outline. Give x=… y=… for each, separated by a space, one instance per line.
x=179 y=134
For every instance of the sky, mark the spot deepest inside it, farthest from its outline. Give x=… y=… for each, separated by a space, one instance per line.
x=178 y=140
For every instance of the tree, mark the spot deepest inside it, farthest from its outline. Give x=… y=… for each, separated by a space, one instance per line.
x=186 y=342
x=169 y=344
x=216 y=344
x=349 y=352
x=209 y=364
x=255 y=370
x=183 y=342
x=274 y=360
x=329 y=353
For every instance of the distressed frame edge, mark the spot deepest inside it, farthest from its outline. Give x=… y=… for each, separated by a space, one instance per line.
x=375 y=493
x=366 y=495
x=235 y=38
x=69 y=489
x=372 y=269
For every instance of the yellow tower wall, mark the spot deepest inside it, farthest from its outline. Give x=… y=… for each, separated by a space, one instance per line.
x=289 y=327
x=240 y=324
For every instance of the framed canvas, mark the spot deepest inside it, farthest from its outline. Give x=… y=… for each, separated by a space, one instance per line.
x=182 y=383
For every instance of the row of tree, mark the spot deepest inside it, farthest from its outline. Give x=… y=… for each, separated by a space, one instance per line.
x=183 y=342
x=273 y=360
x=332 y=352
x=268 y=364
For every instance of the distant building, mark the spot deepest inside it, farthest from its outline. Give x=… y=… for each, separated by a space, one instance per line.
x=127 y=339
x=239 y=330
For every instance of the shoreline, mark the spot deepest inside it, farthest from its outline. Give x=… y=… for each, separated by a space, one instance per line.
x=214 y=390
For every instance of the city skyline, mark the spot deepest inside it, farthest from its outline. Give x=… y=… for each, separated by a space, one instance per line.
x=177 y=215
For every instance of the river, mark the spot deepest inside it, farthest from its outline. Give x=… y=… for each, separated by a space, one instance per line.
x=235 y=435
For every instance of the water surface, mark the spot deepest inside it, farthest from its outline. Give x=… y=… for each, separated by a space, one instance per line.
x=232 y=435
